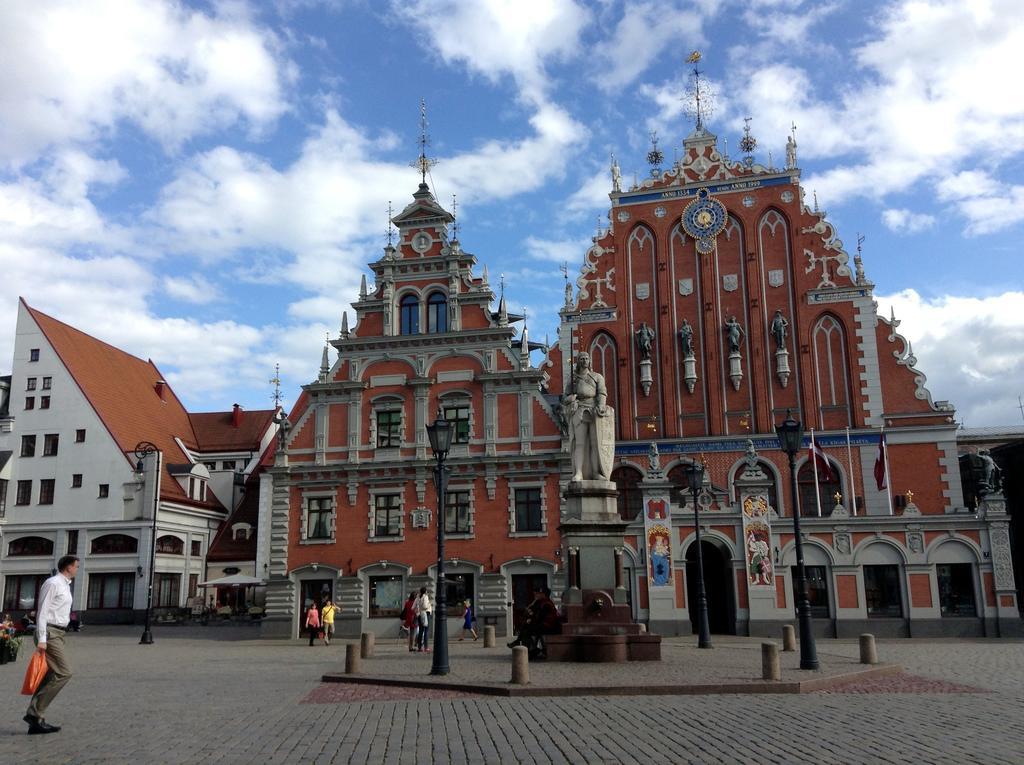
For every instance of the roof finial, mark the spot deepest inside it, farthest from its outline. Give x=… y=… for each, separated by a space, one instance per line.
x=455 y=219
x=501 y=283
x=655 y=156
x=391 y=214
x=423 y=163
x=748 y=143
x=344 y=326
x=564 y=268
x=815 y=191
x=276 y=382
x=325 y=363
x=857 y=262
x=697 y=95
x=362 y=287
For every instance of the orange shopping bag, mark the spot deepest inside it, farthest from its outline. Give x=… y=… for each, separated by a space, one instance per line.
x=35 y=673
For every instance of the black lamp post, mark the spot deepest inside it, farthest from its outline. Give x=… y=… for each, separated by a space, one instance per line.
x=440 y=435
x=791 y=435
x=695 y=474
x=142 y=450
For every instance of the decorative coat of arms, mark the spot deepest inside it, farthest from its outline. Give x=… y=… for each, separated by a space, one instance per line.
x=730 y=282
x=685 y=287
x=775 y=278
x=643 y=291
x=704 y=219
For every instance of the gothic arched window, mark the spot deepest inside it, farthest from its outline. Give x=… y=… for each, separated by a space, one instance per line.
x=409 y=315
x=630 y=501
x=828 y=485
x=830 y=372
x=437 y=312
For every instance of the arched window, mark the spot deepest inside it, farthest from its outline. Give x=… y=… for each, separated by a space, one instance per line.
x=828 y=485
x=437 y=312
x=604 y=361
x=630 y=501
x=169 y=544
x=680 y=478
x=409 y=315
x=30 y=546
x=831 y=378
x=114 y=544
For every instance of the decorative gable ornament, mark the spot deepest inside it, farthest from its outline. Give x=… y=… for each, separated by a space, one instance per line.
x=704 y=219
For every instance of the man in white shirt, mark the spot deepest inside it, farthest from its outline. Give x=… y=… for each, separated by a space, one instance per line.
x=53 y=614
x=424 y=611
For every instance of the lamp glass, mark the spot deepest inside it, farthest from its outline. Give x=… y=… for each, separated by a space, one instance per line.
x=790 y=433
x=440 y=435
x=695 y=473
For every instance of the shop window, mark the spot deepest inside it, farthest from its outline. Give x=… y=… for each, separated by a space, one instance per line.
x=409 y=315
x=168 y=590
x=630 y=500
x=111 y=590
x=387 y=596
x=115 y=544
x=30 y=546
x=387 y=515
x=193 y=585
x=458 y=589
x=817 y=589
x=169 y=544
x=456 y=512
x=22 y=592
x=529 y=513
x=882 y=591
x=437 y=312
x=956 y=589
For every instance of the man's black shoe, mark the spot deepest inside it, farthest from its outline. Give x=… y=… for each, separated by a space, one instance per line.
x=49 y=728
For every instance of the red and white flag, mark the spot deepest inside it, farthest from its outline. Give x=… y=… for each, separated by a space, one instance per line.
x=817 y=456
x=880 y=464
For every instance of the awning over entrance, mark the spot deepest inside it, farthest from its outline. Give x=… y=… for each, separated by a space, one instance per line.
x=235 y=580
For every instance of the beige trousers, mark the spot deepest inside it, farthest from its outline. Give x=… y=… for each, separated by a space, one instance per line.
x=56 y=678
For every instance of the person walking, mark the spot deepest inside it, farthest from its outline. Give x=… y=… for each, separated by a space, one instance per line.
x=409 y=619
x=328 y=618
x=312 y=622
x=467 y=621
x=424 y=608
x=54 y=613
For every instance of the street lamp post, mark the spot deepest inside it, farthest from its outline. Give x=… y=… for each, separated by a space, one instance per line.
x=790 y=434
x=142 y=450
x=440 y=435
x=695 y=474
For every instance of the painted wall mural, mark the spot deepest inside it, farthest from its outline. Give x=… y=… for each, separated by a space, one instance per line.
x=658 y=533
x=757 y=541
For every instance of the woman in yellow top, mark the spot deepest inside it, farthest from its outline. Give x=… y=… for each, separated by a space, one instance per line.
x=327 y=614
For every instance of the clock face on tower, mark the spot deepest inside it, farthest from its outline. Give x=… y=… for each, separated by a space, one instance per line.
x=704 y=219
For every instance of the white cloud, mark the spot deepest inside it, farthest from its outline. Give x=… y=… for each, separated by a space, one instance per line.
x=499 y=37
x=556 y=250
x=988 y=204
x=72 y=71
x=969 y=348
x=645 y=29
x=194 y=289
x=592 y=195
x=904 y=221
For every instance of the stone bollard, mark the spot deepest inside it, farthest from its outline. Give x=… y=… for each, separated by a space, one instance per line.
x=367 y=643
x=351 y=659
x=770 y=668
x=489 y=636
x=868 y=652
x=788 y=638
x=520 y=665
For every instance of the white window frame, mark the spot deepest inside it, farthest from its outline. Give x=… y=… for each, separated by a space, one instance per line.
x=332 y=522
x=512 y=487
x=371 y=528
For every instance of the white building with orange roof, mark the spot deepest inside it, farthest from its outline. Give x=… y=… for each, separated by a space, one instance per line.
x=78 y=411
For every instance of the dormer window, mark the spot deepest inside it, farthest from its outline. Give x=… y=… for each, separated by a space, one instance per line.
x=437 y=312
x=409 y=315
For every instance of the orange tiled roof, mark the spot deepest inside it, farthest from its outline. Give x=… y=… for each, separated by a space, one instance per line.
x=122 y=390
x=216 y=432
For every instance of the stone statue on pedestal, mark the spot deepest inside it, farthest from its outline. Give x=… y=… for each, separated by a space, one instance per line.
x=686 y=338
x=734 y=333
x=779 y=329
x=591 y=424
x=644 y=338
x=991 y=476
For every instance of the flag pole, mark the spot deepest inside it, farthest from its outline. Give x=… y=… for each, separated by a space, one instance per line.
x=814 y=464
x=888 y=480
x=852 y=499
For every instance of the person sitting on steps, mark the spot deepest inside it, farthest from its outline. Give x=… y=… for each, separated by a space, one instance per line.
x=541 y=619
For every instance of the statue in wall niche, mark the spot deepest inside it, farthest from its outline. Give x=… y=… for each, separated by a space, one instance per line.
x=591 y=423
x=686 y=338
x=734 y=334
x=644 y=340
x=779 y=330
x=991 y=476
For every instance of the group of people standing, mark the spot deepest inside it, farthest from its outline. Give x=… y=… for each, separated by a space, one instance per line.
x=418 y=615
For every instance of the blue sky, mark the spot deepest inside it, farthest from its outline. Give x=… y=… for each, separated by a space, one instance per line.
x=202 y=183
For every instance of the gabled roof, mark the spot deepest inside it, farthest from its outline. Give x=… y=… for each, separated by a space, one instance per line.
x=216 y=431
x=224 y=546
x=122 y=390
x=424 y=209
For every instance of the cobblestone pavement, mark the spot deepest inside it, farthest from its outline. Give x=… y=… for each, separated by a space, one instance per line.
x=220 y=695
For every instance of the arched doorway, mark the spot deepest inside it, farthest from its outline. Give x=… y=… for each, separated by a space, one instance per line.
x=717 y=586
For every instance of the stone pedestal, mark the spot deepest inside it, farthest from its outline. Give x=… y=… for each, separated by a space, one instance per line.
x=598 y=621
